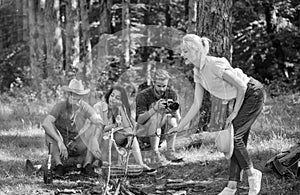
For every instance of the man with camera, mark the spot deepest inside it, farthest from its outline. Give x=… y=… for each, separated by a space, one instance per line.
x=156 y=109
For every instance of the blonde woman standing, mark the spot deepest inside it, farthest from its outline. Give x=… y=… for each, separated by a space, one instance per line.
x=216 y=75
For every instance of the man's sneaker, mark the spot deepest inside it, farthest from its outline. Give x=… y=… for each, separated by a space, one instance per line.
x=227 y=191
x=150 y=171
x=59 y=170
x=171 y=157
x=255 y=182
x=89 y=170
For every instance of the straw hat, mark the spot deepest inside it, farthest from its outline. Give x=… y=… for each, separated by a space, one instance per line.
x=224 y=141
x=76 y=86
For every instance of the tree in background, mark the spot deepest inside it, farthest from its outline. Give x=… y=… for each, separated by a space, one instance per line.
x=213 y=19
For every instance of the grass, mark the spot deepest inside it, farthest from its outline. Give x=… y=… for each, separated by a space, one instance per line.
x=276 y=129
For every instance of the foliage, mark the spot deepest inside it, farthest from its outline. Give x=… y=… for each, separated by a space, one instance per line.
x=272 y=55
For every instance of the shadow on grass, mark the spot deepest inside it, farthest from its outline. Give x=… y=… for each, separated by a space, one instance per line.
x=22 y=141
x=214 y=174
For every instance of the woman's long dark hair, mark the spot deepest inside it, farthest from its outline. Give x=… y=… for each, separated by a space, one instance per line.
x=124 y=98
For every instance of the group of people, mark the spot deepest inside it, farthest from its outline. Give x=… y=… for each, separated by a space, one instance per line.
x=75 y=127
x=157 y=113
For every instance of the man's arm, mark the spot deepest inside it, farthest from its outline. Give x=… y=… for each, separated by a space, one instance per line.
x=48 y=125
x=142 y=112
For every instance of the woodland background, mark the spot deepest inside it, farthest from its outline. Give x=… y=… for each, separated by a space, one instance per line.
x=43 y=44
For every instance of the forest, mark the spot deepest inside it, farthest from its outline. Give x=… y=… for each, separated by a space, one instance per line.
x=44 y=44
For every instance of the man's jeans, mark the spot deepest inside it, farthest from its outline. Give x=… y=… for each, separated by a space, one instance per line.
x=250 y=109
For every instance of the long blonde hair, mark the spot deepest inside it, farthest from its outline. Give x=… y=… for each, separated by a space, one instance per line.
x=200 y=44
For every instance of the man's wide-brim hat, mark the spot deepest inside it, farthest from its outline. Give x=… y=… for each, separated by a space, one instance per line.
x=224 y=141
x=76 y=86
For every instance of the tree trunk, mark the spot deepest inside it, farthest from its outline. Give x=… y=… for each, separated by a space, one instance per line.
x=87 y=48
x=104 y=29
x=53 y=39
x=19 y=21
x=25 y=31
x=41 y=44
x=193 y=7
x=50 y=20
x=34 y=45
x=126 y=33
x=214 y=19
x=58 y=40
x=72 y=35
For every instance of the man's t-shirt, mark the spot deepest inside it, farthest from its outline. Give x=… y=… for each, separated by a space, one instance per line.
x=146 y=98
x=68 y=123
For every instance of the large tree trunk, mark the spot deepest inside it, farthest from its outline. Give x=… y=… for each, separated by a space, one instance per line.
x=104 y=29
x=50 y=20
x=72 y=35
x=19 y=21
x=25 y=31
x=36 y=48
x=126 y=33
x=86 y=43
x=53 y=39
x=58 y=40
x=214 y=19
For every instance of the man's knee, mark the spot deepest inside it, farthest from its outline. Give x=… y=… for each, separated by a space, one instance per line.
x=152 y=125
x=171 y=122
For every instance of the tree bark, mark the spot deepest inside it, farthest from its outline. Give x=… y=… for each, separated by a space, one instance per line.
x=214 y=19
x=34 y=46
x=72 y=35
x=50 y=20
x=53 y=39
x=126 y=33
x=104 y=29
x=25 y=31
x=86 y=47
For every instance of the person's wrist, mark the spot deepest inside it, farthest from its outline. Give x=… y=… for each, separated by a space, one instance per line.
x=155 y=110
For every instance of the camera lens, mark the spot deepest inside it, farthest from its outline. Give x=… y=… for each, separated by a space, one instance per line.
x=174 y=106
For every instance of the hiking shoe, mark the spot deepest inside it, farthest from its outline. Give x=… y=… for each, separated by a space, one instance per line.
x=227 y=191
x=59 y=170
x=89 y=170
x=255 y=182
x=150 y=171
x=159 y=159
x=171 y=157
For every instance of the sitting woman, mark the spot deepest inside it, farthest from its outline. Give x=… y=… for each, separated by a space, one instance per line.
x=116 y=113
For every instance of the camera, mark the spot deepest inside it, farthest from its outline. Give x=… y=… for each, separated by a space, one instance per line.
x=172 y=105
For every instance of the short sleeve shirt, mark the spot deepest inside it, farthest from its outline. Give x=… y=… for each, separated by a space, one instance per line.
x=146 y=98
x=211 y=77
x=68 y=123
x=102 y=109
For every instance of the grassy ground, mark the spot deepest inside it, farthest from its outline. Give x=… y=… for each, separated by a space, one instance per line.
x=277 y=129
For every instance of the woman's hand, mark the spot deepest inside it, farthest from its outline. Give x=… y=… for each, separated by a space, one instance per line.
x=229 y=120
x=109 y=127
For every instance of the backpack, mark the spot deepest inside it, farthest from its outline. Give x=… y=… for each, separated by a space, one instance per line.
x=286 y=163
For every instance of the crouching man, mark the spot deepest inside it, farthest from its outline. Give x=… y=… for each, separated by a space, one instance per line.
x=74 y=129
x=157 y=108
